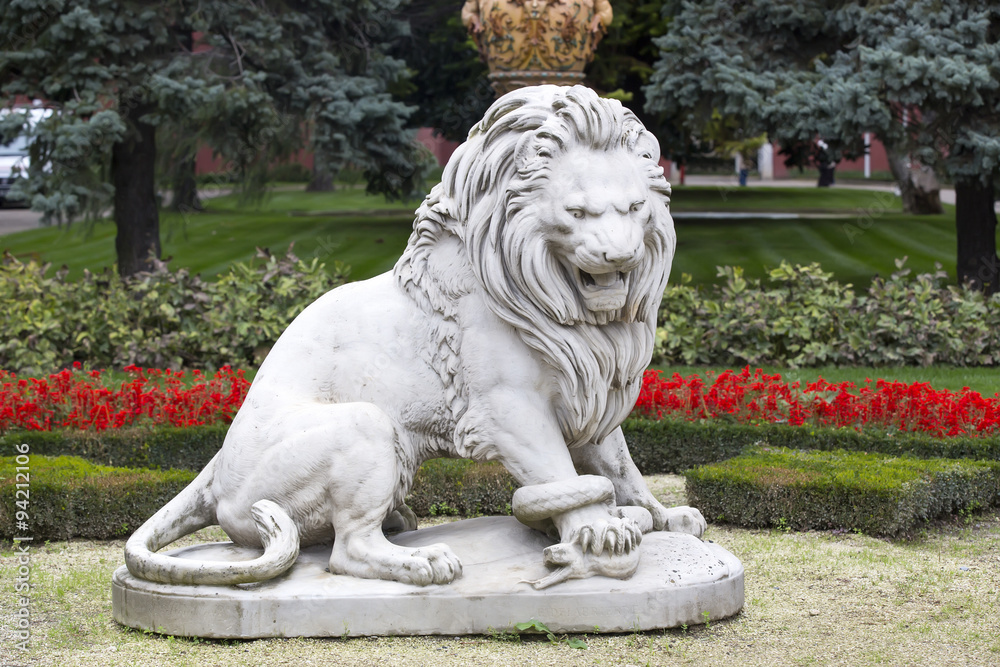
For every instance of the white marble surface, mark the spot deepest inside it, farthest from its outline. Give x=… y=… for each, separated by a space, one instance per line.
x=515 y=327
x=679 y=579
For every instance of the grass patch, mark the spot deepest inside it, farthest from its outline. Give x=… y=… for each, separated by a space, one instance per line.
x=759 y=245
x=900 y=601
x=871 y=493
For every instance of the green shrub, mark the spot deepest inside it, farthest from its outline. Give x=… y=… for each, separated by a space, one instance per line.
x=164 y=447
x=441 y=487
x=872 y=493
x=73 y=498
x=461 y=488
x=162 y=319
x=802 y=317
x=657 y=446
x=290 y=172
x=672 y=446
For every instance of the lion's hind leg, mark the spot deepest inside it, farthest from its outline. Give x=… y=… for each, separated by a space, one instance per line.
x=364 y=492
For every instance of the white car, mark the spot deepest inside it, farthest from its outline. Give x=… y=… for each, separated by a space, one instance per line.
x=14 y=158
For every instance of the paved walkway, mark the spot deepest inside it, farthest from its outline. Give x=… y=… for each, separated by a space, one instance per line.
x=947 y=194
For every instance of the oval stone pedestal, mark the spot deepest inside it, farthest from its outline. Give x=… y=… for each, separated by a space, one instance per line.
x=679 y=580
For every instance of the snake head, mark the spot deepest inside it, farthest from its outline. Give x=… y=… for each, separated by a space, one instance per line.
x=610 y=550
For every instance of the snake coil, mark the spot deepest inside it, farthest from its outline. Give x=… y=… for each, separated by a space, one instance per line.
x=542 y=501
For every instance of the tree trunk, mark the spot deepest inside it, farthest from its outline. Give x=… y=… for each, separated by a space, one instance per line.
x=322 y=181
x=975 y=226
x=137 y=217
x=184 y=194
x=918 y=186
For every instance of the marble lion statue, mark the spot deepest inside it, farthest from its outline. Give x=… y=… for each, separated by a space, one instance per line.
x=515 y=327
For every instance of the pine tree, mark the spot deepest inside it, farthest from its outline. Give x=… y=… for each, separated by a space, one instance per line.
x=924 y=75
x=254 y=79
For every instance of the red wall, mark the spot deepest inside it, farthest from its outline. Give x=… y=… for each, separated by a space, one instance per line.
x=879 y=161
x=443 y=148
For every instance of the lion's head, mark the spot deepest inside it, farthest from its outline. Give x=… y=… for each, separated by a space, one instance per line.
x=563 y=211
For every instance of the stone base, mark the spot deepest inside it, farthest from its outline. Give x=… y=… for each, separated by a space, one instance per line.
x=679 y=579
x=507 y=80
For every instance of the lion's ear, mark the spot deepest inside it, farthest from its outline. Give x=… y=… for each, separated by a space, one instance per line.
x=646 y=146
x=533 y=146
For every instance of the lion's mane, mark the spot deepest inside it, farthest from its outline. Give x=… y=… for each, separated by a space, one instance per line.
x=486 y=202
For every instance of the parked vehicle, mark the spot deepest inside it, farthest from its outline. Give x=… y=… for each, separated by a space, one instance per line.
x=14 y=154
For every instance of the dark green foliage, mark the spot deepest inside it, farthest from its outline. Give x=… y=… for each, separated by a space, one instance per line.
x=872 y=493
x=623 y=63
x=449 y=85
x=189 y=448
x=921 y=74
x=798 y=317
x=662 y=446
x=157 y=319
x=461 y=487
x=801 y=317
x=673 y=446
x=256 y=81
x=73 y=498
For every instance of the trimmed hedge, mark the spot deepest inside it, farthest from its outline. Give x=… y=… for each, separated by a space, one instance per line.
x=165 y=447
x=673 y=446
x=458 y=487
x=69 y=497
x=657 y=445
x=872 y=493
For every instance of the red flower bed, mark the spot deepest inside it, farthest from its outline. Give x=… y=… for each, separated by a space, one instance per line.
x=87 y=400
x=84 y=400
x=757 y=397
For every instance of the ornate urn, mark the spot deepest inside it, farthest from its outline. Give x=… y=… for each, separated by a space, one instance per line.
x=530 y=42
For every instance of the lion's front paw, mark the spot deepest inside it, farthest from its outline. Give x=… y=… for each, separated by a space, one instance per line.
x=616 y=535
x=685 y=519
x=607 y=548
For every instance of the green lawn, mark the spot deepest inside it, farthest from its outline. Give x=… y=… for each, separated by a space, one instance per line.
x=363 y=233
x=841 y=246
x=368 y=233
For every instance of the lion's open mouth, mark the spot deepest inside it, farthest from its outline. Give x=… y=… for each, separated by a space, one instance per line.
x=602 y=280
x=602 y=291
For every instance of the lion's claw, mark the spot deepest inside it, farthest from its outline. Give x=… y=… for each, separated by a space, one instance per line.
x=608 y=549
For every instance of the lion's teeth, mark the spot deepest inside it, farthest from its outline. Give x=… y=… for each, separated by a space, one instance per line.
x=606 y=279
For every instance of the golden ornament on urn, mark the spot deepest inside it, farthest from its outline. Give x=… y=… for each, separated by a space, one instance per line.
x=530 y=42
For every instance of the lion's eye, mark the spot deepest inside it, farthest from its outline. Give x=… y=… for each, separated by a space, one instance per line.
x=576 y=213
x=634 y=208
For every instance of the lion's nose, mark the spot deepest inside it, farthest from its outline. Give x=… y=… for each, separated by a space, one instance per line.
x=622 y=258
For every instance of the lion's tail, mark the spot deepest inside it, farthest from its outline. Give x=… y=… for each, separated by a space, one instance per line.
x=193 y=509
